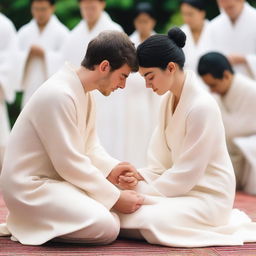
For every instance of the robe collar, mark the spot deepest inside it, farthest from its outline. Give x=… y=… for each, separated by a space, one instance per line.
x=51 y=21
x=240 y=20
x=104 y=19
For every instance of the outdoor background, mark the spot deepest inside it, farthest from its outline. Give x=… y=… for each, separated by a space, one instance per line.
x=121 y=11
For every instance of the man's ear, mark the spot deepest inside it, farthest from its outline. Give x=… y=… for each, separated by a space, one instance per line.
x=104 y=66
x=171 y=67
x=227 y=74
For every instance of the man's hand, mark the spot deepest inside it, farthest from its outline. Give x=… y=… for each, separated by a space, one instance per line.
x=118 y=170
x=129 y=180
x=125 y=176
x=128 y=202
x=36 y=51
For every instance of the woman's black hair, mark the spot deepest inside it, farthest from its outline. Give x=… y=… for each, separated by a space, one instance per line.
x=159 y=50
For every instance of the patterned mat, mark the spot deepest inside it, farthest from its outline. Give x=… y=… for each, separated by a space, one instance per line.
x=130 y=247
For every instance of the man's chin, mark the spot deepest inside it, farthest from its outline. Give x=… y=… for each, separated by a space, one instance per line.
x=106 y=93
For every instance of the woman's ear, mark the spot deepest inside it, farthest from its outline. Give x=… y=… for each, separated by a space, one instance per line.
x=104 y=66
x=171 y=67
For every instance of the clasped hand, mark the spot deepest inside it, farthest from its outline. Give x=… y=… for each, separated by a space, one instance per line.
x=124 y=176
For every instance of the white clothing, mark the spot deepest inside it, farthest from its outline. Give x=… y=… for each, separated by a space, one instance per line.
x=34 y=71
x=190 y=182
x=54 y=172
x=108 y=109
x=141 y=106
x=8 y=48
x=194 y=50
x=238 y=109
x=228 y=38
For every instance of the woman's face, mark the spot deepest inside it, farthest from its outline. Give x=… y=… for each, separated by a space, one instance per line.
x=160 y=81
x=144 y=24
x=193 y=17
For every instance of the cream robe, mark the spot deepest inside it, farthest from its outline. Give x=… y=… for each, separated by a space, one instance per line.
x=141 y=107
x=194 y=50
x=238 y=109
x=8 y=49
x=34 y=71
x=54 y=169
x=109 y=120
x=229 y=38
x=190 y=182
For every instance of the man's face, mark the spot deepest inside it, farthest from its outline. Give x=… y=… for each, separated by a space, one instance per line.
x=144 y=24
x=193 y=17
x=232 y=8
x=91 y=9
x=42 y=12
x=114 y=80
x=217 y=85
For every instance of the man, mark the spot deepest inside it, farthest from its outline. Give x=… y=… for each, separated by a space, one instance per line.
x=40 y=42
x=56 y=178
x=230 y=35
x=8 y=48
x=110 y=121
x=237 y=95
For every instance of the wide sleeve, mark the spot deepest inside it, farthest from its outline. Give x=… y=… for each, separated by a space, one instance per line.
x=203 y=130
x=56 y=125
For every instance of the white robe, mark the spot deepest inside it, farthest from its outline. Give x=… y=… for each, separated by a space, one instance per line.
x=141 y=107
x=194 y=50
x=54 y=166
x=237 y=38
x=109 y=118
x=190 y=182
x=238 y=109
x=34 y=71
x=8 y=49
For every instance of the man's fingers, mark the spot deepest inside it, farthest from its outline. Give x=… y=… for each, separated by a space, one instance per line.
x=127 y=179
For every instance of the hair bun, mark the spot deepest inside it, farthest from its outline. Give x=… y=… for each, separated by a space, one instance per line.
x=178 y=36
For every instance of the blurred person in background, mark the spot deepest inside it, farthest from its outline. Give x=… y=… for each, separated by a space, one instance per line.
x=140 y=104
x=229 y=34
x=39 y=43
x=109 y=115
x=194 y=16
x=237 y=101
x=8 y=49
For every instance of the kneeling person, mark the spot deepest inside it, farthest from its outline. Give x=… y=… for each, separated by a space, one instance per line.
x=57 y=180
x=236 y=96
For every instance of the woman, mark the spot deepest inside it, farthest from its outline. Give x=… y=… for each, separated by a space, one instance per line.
x=140 y=105
x=193 y=14
x=189 y=183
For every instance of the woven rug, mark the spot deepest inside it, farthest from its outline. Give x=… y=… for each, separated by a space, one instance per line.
x=130 y=247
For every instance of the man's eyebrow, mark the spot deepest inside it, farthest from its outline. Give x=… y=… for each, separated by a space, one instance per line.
x=125 y=75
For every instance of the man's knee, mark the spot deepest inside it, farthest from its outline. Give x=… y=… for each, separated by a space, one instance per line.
x=109 y=228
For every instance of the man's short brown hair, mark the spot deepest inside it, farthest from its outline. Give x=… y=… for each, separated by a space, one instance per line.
x=115 y=47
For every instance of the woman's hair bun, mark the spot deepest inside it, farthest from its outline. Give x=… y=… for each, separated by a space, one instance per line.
x=178 y=36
